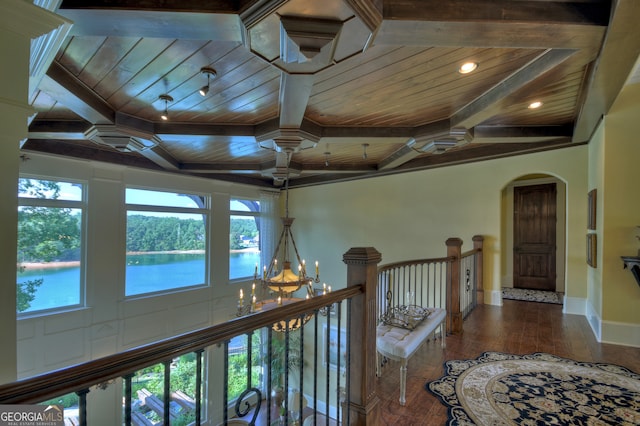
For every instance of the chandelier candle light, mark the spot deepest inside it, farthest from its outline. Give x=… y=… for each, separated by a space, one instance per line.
x=282 y=282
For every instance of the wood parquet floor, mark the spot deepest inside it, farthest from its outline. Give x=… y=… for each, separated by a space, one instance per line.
x=516 y=327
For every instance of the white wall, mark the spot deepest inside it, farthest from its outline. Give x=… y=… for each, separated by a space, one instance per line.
x=111 y=323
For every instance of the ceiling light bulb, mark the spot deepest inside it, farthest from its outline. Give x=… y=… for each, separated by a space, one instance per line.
x=210 y=72
x=166 y=98
x=467 y=67
x=535 y=105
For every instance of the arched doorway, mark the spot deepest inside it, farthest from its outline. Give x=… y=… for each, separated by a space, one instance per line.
x=533 y=233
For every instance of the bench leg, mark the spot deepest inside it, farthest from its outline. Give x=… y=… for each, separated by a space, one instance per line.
x=403 y=382
x=443 y=340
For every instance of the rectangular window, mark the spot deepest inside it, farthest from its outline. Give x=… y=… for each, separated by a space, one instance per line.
x=244 y=238
x=166 y=241
x=50 y=244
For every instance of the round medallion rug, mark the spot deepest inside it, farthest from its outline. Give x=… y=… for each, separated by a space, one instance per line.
x=537 y=389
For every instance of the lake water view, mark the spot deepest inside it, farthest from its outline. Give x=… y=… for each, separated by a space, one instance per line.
x=145 y=273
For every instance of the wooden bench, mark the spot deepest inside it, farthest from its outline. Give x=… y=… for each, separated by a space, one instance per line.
x=400 y=344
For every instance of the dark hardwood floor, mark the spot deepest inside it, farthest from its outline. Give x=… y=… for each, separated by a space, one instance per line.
x=516 y=327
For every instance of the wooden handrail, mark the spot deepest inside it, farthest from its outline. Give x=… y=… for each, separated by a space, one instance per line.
x=387 y=266
x=82 y=376
x=471 y=252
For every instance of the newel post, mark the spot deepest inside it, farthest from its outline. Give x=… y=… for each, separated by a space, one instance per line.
x=478 y=242
x=362 y=269
x=454 y=317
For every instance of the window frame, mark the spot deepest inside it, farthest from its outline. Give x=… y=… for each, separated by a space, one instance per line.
x=257 y=216
x=81 y=205
x=206 y=211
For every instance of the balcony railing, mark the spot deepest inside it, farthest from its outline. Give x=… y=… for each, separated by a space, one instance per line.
x=335 y=347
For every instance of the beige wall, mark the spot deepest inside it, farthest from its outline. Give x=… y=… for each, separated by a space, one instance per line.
x=594 y=275
x=620 y=212
x=410 y=215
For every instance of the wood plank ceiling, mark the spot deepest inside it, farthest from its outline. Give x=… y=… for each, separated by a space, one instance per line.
x=342 y=89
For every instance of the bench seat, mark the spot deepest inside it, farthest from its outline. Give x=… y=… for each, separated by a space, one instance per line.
x=400 y=344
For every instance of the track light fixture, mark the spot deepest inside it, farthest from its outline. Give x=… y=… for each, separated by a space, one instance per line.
x=166 y=98
x=210 y=72
x=364 y=151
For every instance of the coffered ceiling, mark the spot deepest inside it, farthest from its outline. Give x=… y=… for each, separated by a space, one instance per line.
x=337 y=89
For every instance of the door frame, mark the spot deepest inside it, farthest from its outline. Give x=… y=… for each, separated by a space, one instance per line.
x=507 y=229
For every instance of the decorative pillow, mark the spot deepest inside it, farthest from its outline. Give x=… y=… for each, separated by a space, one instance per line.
x=405 y=316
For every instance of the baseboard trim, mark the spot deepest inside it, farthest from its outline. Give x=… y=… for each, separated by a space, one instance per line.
x=493 y=297
x=594 y=321
x=574 y=305
x=621 y=333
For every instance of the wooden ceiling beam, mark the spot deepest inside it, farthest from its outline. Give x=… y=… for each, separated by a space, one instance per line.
x=401 y=156
x=566 y=12
x=211 y=6
x=221 y=167
x=203 y=129
x=295 y=90
x=468 y=155
x=520 y=134
x=161 y=158
x=369 y=12
x=56 y=129
x=489 y=104
x=480 y=152
x=155 y=24
x=488 y=23
x=258 y=10
x=609 y=73
x=67 y=89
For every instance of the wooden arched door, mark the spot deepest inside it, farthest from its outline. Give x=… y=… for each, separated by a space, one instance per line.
x=534 y=237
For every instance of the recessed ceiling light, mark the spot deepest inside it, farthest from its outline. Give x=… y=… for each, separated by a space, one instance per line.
x=535 y=105
x=467 y=67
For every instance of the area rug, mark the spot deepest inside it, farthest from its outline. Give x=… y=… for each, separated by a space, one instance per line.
x=532 y=295
x=537 y=389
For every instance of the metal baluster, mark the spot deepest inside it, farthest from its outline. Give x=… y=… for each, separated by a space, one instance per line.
x=269 y=372
x=82 y=406
x=225 y=391
x=286 y=374
x=315 y=366
x=249 y=358
x=347 y=403
x=127 y=399
x=199 y=386
x=301 y=369
x=339 y=353
x=167 y=392
x=328 y=378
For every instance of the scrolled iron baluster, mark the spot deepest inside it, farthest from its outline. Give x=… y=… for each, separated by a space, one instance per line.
x=247 y=406
x=468 y=279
